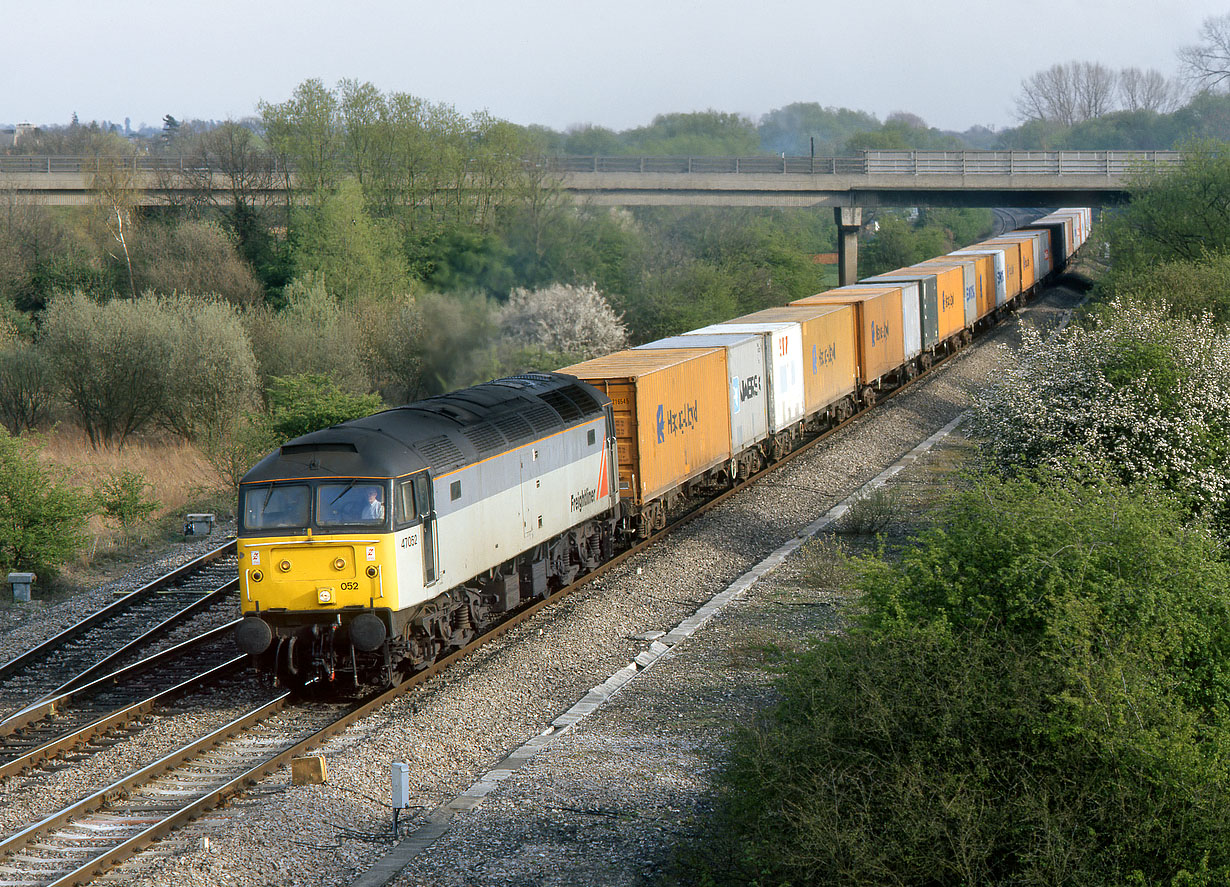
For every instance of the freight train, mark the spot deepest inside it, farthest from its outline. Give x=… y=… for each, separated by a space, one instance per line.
x=370 y=549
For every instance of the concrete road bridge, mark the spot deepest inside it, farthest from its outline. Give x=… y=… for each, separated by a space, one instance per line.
x=870 y=179
x=846 y=184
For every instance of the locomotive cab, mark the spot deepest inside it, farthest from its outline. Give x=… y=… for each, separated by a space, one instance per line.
x=318 y=575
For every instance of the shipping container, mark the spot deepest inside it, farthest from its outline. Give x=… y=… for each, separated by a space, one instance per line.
x=829 y=371
x=878 y=323
x=784 y=344
x=928 y=302
x=950 y=295
x=970 y=286
x=1019 y=280
x=1039 y=249
x=747 y=373
x=1059 y=238
x=672 y=416
x=995 y=286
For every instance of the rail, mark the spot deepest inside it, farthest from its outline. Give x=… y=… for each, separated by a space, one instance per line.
x=868 y=163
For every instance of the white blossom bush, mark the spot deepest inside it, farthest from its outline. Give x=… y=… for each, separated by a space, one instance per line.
x=576 y=321
x=1140 y=393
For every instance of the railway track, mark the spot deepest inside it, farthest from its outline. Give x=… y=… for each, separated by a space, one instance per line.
x=133 y=626
x=85 y=838
x=73 y=724
x=77 y=843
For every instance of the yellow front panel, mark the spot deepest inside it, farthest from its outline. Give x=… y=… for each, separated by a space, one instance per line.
x=326 y=573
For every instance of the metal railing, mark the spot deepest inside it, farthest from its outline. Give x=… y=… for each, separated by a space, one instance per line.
x=869 y=163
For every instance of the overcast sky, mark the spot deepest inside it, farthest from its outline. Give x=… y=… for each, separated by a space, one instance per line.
x=562 y=63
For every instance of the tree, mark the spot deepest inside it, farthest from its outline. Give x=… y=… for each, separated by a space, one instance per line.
x=1146 y=91
x=1206 y=64
x=567 y=323
x=26 y=387
x=336 y=241
x=1067 y=93
x=1179 y=212
x=42 y=522
x=232 y=173
x=306 y=129
x=115 y=193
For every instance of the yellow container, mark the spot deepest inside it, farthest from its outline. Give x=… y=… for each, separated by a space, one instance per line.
x=984 y=280
x=950 y=295
x=1012 y=263
x=672 y=414
x=829 y=364
x=879 y=345
x=1025 y=258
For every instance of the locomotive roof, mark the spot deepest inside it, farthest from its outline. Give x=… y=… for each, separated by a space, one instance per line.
x=442 y=433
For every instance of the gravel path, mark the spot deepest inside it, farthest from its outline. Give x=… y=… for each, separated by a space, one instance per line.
x=604 y=802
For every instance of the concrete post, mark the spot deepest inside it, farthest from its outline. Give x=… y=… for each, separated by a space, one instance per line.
x=849 y=220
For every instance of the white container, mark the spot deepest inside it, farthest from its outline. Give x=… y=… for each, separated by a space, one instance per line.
x=1001 y=272
x=784 y=343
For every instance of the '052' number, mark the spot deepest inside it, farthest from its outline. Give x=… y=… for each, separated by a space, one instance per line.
x=350 y=586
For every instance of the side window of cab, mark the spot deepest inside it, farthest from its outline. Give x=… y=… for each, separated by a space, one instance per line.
x=404 y=510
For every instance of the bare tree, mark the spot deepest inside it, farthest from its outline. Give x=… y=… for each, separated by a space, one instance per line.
x=1206 y=65
x=231 y=171
x=1147 y=91
x=1067 y=93
x=1048 y=95
x=115 y=191
x=1095 y=90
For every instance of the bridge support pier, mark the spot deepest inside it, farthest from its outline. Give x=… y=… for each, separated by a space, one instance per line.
x=849 y=220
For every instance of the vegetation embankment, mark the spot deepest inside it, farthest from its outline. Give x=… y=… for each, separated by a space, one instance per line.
x=213 y=329
x=1036 y=690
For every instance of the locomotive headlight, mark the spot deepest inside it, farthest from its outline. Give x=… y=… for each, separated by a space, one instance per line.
x=339 y=564
x=284 y=566
x=324 y=595
x=372 y=571
x=257 y=575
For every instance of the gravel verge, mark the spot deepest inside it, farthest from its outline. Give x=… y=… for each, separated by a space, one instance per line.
x=606 y=801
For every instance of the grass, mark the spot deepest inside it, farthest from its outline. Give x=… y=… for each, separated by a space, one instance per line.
x=180 y=481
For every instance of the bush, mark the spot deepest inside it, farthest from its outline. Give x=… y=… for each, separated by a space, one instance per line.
x=199 y=258
x=1039 y=693
x=1146 y=394
x=26 y=387
x=111 y=361
x=1187 y=290
x=126 y=364
x=312 y=334
x=212 y=378
x=42 y=523
x=299 y=404
x=121 y=496
x=573 y=322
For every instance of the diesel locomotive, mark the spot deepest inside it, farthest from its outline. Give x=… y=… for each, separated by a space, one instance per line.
x=370 y=549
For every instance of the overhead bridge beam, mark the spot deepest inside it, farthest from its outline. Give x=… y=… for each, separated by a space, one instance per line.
x=875 y=178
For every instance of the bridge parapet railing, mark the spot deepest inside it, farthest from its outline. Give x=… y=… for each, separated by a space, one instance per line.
x=881 y=163
x=1000 y=163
